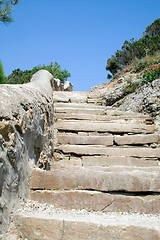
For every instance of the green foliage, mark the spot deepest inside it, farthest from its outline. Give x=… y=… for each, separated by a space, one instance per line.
x=149 y=44
x=2 y=77
x=6 y=10
x=130 y=87
x=109 y=76
x=19 y=77
x=154 y=28
x=112 y=65
x=151 y=74
x=140 y=66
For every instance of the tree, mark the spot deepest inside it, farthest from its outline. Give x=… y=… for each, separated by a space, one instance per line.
x=153 y=29
x=148 y=44
x=6 y=9
x=2 y=77
x=112 y=65
x=18 y=76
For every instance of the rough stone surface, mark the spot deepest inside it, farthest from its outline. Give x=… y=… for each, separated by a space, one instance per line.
x=70 y=97
x=129 y=181
x=104 y=118
x=26 y=138
x=146 y=99
x=115 y=94
x=110 y=151
x=103 y=127
x=136 y=139
x=68 y=86
x=98 y=201
x=43 y=222
x=85 y=140
x=105 y=161
x=57 y=85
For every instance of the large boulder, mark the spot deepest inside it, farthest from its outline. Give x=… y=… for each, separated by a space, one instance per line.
x=26 y=139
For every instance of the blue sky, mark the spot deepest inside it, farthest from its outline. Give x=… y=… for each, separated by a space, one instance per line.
x=78 y=34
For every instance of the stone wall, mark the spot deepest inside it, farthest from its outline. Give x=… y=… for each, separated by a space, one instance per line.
x=26 y=138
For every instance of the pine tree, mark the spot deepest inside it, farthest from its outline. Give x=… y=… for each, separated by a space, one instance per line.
x=2 y=77
x=6 y=9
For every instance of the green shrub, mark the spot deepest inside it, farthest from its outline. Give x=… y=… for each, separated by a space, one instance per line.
x=19 y=77
x=2 y=77
x=109 y=76
x=140 y=66
x=130 y=87
x=148 y=44
x=112 y=65
x=152 y=74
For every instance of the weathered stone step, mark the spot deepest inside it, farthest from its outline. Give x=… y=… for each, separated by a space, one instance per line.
x=81 y=110
x=61 y=162
x=80 y=105
x=105 y=161
x=103 y=127
x=85 y=140
x=136 y=139
x=108 y=140
x=96 y=111
x=98 y=201
x=61 y=96
x=141 y=152
x=129 y=181
x=95 y=100
x=105 y=118
x=47 y=224
x=116 y=168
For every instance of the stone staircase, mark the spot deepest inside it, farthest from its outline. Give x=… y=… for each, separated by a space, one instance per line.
x=105 y=179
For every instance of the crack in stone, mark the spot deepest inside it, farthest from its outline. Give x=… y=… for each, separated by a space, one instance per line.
x=108 y=205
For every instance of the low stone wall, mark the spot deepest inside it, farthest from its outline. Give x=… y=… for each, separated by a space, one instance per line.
x=26 y=138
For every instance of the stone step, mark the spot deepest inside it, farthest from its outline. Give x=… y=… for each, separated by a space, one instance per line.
x=98 y=201
x=80 y=105
x=94 y=95
x=105 y=118
x=46 y=223
x=105 y=161
x=83 y=179
x=138 y=139
x=75 y=97
x=96 y=111
x=117 y=168
x=76 y=126
x=63 y=162
x=95 y=100
x=81 y=110
x=140 y=152
x=85 y=140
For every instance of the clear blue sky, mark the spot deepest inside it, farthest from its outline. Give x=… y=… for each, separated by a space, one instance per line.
x=78 y=34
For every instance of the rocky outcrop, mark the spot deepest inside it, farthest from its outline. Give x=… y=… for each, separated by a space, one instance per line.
x=26 y=138
x=145 y=99
x=114 y=94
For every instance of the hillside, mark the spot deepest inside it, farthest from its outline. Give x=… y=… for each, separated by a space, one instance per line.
x=136 y=88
